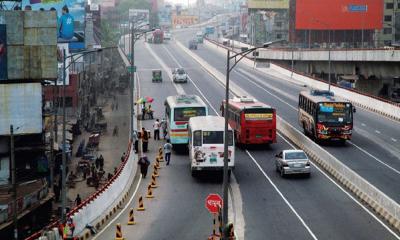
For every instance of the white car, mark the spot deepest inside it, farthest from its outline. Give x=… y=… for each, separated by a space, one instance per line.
x=179 y=75
x=292 y=162
x=167 y=36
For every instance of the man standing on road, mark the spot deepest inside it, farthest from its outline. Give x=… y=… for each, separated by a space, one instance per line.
x=156 y=127
x=167 y=151
x=78 y=200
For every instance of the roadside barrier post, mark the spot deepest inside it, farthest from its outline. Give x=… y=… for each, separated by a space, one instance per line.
x=141 y=205
x=153 y=182
x=118 y=233
x=155 y=172
x=131 y=220
x=149 y=192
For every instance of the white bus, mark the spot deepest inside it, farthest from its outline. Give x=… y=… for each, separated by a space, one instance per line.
x=206 y=144
x=178 y=110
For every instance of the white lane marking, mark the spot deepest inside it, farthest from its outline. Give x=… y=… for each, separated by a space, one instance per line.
x=178 y=88
x=394 y=139
x=375 y=158
x=355 y=145
x=363 y=124
x=260 y=168
x=378 y=132
x=121 y=212
x=347 y=193
x=282 y=196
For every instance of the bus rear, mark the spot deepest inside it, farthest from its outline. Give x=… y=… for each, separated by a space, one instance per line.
x=178 y=124
x=258 y=126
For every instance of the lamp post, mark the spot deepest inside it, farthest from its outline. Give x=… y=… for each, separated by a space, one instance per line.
x=64 y=157
x=237 y=58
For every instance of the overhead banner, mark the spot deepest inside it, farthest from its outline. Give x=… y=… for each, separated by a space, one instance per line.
x=3 y=52
x=269 y=4
x=183 y=20
x=141 y=18
x=339 y=14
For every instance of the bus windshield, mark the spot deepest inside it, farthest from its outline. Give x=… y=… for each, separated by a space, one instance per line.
x=216 y=137
x=334 y=113
x=183 y=114
x=258 y=114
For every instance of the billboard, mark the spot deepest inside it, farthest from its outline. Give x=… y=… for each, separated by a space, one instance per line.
x=269 y=4
x=66 y=32
x=141 y=18
x=339 y=14
x=3 y=52
x=183 y=20
x=21 y=106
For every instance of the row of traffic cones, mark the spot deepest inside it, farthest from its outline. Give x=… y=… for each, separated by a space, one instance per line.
x=153 y=184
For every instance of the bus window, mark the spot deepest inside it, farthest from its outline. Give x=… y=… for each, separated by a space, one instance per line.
x=197 y=138
x=216 y=137
x=334 y=113
x=183 y=114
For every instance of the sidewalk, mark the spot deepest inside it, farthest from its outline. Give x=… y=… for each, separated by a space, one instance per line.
x=111 y=147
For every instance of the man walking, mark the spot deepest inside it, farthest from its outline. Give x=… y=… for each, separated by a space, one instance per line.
x=144 y=165
x=78 y=200
x=156 y=127
x=163 y=126
x=135 y=139
x=145 y=139
x=167 y=151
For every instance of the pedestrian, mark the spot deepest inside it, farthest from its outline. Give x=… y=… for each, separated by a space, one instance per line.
x=167 y=151
x=145 y=139
x=101 y=161
x=123 y=157
x=143 y=110
x=135 y=139
x=57 y=192
x=150 y=112
x=115 y=131
x=97 y=162
x=156 y=127
x=144 y=165
x=164 y=128
x=93 y=169
x=116 y=105
x=78 y=200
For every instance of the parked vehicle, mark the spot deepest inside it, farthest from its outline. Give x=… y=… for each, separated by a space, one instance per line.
x=292 y=162
x=156 y=75
x=179 y=75
x=199 y=36
x=193 y=44
x=167 y=36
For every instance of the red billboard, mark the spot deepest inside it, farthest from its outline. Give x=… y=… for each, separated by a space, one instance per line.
x=339 y=14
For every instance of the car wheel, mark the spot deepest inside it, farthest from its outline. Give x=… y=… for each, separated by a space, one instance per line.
x=282 y=172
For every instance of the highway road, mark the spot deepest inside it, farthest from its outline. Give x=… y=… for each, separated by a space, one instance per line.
x=265 y=205
x=374 y=151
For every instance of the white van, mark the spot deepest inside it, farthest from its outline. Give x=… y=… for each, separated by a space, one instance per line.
x=206 y=144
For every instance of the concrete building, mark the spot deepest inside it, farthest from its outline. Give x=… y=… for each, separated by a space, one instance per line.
x=390 y=32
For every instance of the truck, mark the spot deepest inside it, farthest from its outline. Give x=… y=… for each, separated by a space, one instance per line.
x=158 y=36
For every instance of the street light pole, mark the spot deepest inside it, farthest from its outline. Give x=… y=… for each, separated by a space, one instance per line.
x=329 y=60
x=14 y=182
x=132 y=79
x=64 y=157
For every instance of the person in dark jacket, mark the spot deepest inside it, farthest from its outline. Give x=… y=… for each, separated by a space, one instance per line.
x=144 y=165
x=145 y=139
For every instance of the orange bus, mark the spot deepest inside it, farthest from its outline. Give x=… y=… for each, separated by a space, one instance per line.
x=253 y=122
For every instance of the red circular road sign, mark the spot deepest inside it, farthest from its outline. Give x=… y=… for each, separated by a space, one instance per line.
x=213 y=202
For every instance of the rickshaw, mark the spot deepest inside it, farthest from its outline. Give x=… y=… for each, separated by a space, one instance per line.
x=157 y=75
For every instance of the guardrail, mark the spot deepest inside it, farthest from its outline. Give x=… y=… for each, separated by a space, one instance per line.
x=367 y=101
x=24 y=202
x=377 y=200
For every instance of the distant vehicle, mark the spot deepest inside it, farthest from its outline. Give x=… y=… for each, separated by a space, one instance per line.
x=206 y=144
x=156 y=75
x=178 y=110
x=193 y=44
x=209 y=30
x=253 y=122
x=158 y=36
x=199 y=36
x=179 y=75
x=324 y=116
x=167 y=36
x=348 y=81
x=292 y=162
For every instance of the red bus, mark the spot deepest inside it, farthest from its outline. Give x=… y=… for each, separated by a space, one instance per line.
x=254 y=122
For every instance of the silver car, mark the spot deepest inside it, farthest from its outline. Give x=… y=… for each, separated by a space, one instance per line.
x=292 y=162
x=179 y=75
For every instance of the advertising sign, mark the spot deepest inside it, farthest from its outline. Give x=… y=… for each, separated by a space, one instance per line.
x=339 y=14
x=76 y=17
x=141 y=17
x=3 y=52
x=21 y=106
x=269 y=4
x=183 y=20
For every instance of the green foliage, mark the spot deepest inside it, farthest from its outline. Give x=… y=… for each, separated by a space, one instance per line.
x=109 y=34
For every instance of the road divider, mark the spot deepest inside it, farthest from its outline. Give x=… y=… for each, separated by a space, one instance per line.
x=153 y=182
x=383 y=205
x=118 y=232
x=131 y=218
x=149 y=192
x=141 y=205
x=155 y=171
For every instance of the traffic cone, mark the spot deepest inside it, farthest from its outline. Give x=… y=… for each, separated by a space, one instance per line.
x=157 y=165
x=149 y=192
x=161 y=154
x=131 y=220
x=118 y=233
x=153 y=182
x=231 y=231
x=141 y=205
x=155 y=172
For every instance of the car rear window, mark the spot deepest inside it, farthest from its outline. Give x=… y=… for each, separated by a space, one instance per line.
x=295 y=155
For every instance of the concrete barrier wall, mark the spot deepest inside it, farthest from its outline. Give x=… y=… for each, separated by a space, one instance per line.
x=382 y=204
x=371 y=103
